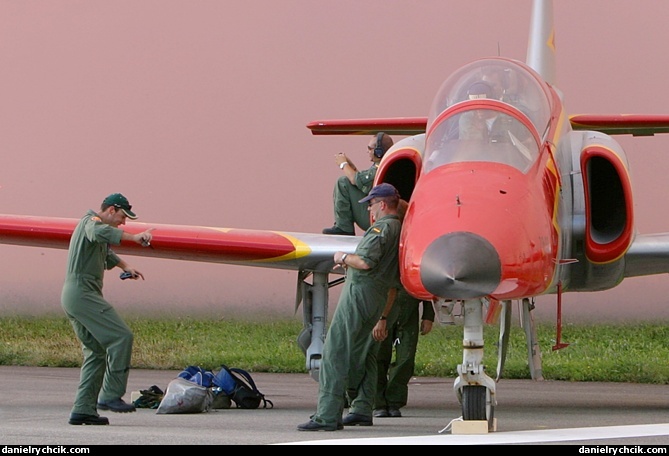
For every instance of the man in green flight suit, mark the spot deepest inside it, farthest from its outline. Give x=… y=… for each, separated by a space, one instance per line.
x=385 y=386
x=354 y=185
x=392 y=388
x=106 y=339
x=372 y=278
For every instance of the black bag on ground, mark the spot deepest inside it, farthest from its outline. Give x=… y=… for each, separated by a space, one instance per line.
x=240 y=387
x=150 y=398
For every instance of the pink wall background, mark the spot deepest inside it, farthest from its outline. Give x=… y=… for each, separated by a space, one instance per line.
x=197 y=112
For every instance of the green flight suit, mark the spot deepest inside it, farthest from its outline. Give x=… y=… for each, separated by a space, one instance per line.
x=360 y=305
x=106 y=339
x=347 y=209
x=392 y=387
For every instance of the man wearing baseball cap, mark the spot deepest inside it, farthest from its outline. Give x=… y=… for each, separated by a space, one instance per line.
x=106 y=339
x=120 y=202
x=348 y=364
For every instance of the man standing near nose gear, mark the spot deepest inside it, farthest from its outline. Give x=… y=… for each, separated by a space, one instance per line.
x=404 y=325
x=105 y=338
x=372 y=280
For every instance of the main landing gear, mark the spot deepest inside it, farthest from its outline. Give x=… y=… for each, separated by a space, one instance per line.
x=314 y=297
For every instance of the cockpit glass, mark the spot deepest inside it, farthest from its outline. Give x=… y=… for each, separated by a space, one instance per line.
x=515 y=89
x=481 y=135
x=509 y=82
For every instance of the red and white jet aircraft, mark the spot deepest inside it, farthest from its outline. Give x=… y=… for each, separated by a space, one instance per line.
x=509 y=198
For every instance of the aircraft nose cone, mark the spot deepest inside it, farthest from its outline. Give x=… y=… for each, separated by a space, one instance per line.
x=460 y=266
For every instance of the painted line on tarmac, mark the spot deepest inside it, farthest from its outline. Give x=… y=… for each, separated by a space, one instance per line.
x=495 y=438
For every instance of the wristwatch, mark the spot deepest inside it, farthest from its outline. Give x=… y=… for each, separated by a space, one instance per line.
x=383 y=318
x=343 y=258
x=341 y=166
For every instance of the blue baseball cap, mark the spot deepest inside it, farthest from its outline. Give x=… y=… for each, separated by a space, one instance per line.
x=381 y=191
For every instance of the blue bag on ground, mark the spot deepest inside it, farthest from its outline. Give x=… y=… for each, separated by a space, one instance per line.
x=240 y=387
x=224 y=380
x=198 y=375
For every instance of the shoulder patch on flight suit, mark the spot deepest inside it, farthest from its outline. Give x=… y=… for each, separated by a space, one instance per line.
x=96 y=219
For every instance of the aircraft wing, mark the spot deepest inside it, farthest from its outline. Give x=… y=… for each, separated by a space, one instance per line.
x=621 y=124
x=312 y=255
x=611 y=124
x=390 y=125
x=259 y=248
x=648 y=254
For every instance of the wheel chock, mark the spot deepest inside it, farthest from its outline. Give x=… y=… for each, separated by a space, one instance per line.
x=472 y=427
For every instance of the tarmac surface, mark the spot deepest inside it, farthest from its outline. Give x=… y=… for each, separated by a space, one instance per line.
x=36 y=404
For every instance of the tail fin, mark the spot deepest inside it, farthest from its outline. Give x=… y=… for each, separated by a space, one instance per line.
x=541 y=42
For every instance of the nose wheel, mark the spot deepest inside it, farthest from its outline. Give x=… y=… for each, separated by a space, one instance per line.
x=475 y=389
x=476 y=405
